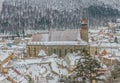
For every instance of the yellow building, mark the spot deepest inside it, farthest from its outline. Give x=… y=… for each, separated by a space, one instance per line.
x=59 y=42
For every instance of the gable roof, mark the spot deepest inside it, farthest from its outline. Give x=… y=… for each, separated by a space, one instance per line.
x=40 y=37
x=65 y=35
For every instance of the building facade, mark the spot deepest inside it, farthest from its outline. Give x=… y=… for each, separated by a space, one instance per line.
x=61 y=51
x=59 y=42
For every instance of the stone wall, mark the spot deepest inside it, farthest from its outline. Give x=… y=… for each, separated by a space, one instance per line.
x=60 y=50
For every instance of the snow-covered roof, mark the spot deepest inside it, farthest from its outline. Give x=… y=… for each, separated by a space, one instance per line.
x=16 y=77
x=66 y=35
x=109 y=45
x=2 y=77
x=55 y=67
x=41 y=67
x=54 y=35
x=40 y=37
x=59 y=43
x=111 y=53
x=4 y=55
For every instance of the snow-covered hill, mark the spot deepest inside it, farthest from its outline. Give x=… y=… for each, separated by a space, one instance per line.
x=65 y=4
x=44 y=14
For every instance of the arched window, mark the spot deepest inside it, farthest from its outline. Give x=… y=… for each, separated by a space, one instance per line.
x=71 y=51
x=34 y=51
x=29 y=51
x=65 y=51
x=54 y=51
x=60 y=53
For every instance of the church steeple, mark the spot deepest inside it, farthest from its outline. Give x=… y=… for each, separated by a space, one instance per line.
x=84 y=29
x=84 y=21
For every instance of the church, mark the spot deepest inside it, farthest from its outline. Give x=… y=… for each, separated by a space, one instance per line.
x=59 y=42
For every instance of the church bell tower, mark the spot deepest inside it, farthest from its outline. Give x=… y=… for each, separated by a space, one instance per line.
x=84 y=30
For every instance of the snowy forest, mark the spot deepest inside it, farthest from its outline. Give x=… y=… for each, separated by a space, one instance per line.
x=16 y=16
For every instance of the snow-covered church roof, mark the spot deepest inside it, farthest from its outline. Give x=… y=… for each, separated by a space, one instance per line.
x=54 y=37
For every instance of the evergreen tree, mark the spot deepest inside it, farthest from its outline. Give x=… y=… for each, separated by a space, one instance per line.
x=115 y=73
x=30 y=79
x=86 y=69
x=13 y=38
x=116 y=40
x=2 y=30
x=17 y=33
x=23 y=32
